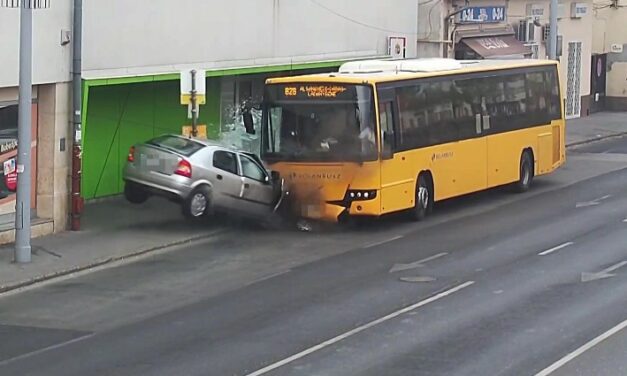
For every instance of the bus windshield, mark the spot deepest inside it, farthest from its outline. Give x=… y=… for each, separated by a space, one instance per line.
x=319 y=123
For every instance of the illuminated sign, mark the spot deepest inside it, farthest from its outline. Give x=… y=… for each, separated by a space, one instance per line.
x=315 y=91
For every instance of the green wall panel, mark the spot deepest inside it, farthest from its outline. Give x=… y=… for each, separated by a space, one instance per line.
x=119 y=116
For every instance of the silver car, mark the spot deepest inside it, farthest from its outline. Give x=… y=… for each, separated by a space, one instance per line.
x=203 y=176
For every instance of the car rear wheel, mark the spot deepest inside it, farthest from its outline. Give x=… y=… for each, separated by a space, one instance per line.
x=198 y=204
x=135 y=194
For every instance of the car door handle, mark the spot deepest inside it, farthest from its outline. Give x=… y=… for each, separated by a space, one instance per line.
x=246 y=185
x=219 y=177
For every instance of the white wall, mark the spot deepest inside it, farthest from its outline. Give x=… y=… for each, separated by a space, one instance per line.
x=125 y=37
x=610 y=27
x=51 y=61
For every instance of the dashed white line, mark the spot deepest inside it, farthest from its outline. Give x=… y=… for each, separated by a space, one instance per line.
x=334 y=340
x=52 y=347
x=265 y=278
x=557 y=248
x=383 y=241
x=547 y=371
x=625 y=220
x=417 y=264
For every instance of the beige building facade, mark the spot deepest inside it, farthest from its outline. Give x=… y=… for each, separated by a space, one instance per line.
x=610 y=44
x=514 y=29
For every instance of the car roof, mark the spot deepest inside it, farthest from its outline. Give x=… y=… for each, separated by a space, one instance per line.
x=211 y=144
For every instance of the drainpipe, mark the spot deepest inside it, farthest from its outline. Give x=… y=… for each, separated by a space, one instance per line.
x=77 y=96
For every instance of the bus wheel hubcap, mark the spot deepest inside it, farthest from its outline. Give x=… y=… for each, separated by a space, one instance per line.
x=423 y=197
x=526 y=174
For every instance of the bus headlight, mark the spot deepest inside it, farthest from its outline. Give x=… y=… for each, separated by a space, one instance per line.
x=361 y=194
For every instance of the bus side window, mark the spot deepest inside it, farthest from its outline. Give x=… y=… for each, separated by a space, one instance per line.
x=386 y=121
x=553 y=88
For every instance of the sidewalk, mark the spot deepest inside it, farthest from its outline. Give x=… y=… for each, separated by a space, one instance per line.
x=114 y=229
x=595 y=127
x=111 y=230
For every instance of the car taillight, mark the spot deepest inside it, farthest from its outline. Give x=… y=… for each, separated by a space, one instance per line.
x=131 y=154
x=184 y=168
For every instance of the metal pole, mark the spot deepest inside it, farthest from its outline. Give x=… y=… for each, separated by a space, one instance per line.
x=553 y=31
x=194 y=108
x=22 y=203
x=77 y=96
x=447 y=19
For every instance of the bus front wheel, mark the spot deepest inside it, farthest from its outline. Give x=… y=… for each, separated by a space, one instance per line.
x=526 y=172
x=423 y=199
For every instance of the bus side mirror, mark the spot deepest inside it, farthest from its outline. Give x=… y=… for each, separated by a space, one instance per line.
x=247 y=118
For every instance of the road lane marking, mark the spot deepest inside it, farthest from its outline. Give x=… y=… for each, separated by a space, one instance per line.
x=384 y=241
x=359 y=329
x=625 y=220
x=416 y=264
x=551 y=250
x=418 y=279
x=267 y=277
x=593 y=202
x=547 y=371
x=40 y=351
x=605 y=273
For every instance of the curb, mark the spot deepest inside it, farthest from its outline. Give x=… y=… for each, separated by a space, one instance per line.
x=600 y=138
x=98 y=263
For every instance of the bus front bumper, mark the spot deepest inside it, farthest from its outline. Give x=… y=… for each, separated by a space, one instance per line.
x=336 y=211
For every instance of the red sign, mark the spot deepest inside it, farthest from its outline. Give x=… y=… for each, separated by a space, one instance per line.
x=11 y=181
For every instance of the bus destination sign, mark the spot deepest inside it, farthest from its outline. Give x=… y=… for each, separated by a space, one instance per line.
x=314 y=91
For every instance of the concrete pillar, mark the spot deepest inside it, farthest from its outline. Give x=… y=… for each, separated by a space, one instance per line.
x=54 y=163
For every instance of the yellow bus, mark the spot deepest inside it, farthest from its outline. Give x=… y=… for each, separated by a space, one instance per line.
x=384 y=136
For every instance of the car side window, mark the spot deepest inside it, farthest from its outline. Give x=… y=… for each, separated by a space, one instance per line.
x=251 y=170
x=225 y=161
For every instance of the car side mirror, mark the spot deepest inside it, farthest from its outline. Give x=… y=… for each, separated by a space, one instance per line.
x=275 y=175
x=247 y=118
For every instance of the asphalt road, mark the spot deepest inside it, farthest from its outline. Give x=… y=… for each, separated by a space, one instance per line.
x=492 y=284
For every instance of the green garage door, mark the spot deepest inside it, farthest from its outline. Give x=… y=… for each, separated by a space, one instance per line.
x=121 y=115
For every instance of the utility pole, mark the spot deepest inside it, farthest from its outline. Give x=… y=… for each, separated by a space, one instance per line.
x=553 y=30
x=22 y=252
x=22 y=203
x=194 y=105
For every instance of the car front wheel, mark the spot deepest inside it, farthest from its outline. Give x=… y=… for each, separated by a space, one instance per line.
x=198 y=204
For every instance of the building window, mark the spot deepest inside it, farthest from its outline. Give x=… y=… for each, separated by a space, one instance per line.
x=8 y=157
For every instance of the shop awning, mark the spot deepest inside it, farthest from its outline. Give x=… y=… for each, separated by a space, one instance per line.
x=497 y=46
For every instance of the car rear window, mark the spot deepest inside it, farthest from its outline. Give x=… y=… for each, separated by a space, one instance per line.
x=180 y=145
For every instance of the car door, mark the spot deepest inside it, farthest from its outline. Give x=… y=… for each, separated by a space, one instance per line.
x=258 y=192
x=227 y=183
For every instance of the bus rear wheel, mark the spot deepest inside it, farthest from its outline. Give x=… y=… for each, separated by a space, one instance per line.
x=422 y=200
x=526 y=172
